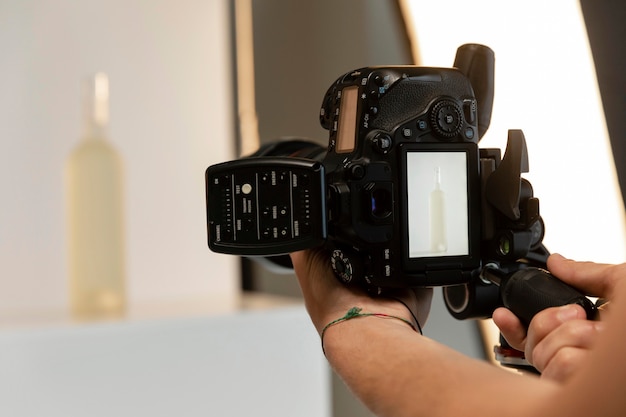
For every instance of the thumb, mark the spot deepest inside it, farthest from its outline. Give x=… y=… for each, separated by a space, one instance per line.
x=594 y=279
x=510 y=327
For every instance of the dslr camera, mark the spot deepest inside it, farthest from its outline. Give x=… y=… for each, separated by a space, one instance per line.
x=402 y=196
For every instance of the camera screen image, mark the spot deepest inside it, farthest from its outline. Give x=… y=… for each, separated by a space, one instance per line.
x=437 y=204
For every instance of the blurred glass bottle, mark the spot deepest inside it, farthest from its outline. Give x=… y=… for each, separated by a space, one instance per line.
x=94 y=176
x=437 y=211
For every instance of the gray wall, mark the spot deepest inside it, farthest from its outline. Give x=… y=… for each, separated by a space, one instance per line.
x=301 y=47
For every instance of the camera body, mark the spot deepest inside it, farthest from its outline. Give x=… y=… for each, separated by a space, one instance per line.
x=395 y=133
x=402 y=196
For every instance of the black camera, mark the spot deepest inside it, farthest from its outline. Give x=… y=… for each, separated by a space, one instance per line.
x=402 y=196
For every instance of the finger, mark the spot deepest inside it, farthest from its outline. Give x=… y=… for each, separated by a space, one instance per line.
x=546 y=323
x=564 y=364
x=557 y=345
x=592 y=278
x=511 y=327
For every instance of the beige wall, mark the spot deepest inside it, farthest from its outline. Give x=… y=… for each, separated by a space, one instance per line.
x=171 y=116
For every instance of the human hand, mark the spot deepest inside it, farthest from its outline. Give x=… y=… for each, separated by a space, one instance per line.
x=326 y=299
x=559 y=338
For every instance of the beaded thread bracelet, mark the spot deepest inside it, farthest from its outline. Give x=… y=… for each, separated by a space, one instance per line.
x=356 y=312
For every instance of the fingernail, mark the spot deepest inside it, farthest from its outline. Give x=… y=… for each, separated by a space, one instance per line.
x=568 y=312
x=559 y=256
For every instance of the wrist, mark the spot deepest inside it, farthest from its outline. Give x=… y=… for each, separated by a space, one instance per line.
x=361 y=332
x=366 y=304
x=359 y=313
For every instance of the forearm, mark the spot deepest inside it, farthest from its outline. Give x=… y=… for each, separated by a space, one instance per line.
x=397 y=372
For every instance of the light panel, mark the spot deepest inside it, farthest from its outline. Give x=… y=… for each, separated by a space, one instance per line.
x=545 y=85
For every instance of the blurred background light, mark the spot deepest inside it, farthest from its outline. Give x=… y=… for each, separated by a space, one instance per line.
x=546 y=85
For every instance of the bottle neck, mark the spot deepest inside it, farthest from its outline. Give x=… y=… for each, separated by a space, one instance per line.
x=437 y=178
x=96 y=107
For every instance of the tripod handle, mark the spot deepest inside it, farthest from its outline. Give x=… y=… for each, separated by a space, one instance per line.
x=530 y=290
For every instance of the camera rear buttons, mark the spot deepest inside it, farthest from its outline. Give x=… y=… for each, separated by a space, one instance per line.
x=446 y=118
x=382 y=143
x=470 y=112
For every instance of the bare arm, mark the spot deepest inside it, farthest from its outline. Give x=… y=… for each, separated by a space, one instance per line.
x=396 y=371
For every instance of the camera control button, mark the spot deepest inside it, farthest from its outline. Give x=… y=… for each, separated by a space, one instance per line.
x=470 y=111
x=246 y=188
x=357 y=171
x=422 y=125
x=343 y=266
x=446 y=118
x=283 y=177
x=387 y=270
x=382 y=142
x=223 y=180
x=469 y=133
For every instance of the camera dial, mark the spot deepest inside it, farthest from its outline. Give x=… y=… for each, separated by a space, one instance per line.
x=446 y=118
x=343 y=266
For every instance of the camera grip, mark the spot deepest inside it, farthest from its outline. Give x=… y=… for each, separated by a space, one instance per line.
x=530 y=290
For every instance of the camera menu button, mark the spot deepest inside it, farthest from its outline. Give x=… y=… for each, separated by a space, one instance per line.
x=388 y=270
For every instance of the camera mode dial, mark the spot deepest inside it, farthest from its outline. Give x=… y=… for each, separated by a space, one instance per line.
x=343 y=266
x=446 y=118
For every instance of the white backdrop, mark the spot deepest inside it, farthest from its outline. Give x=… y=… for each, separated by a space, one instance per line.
x=545 y=84
x=171 y=116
